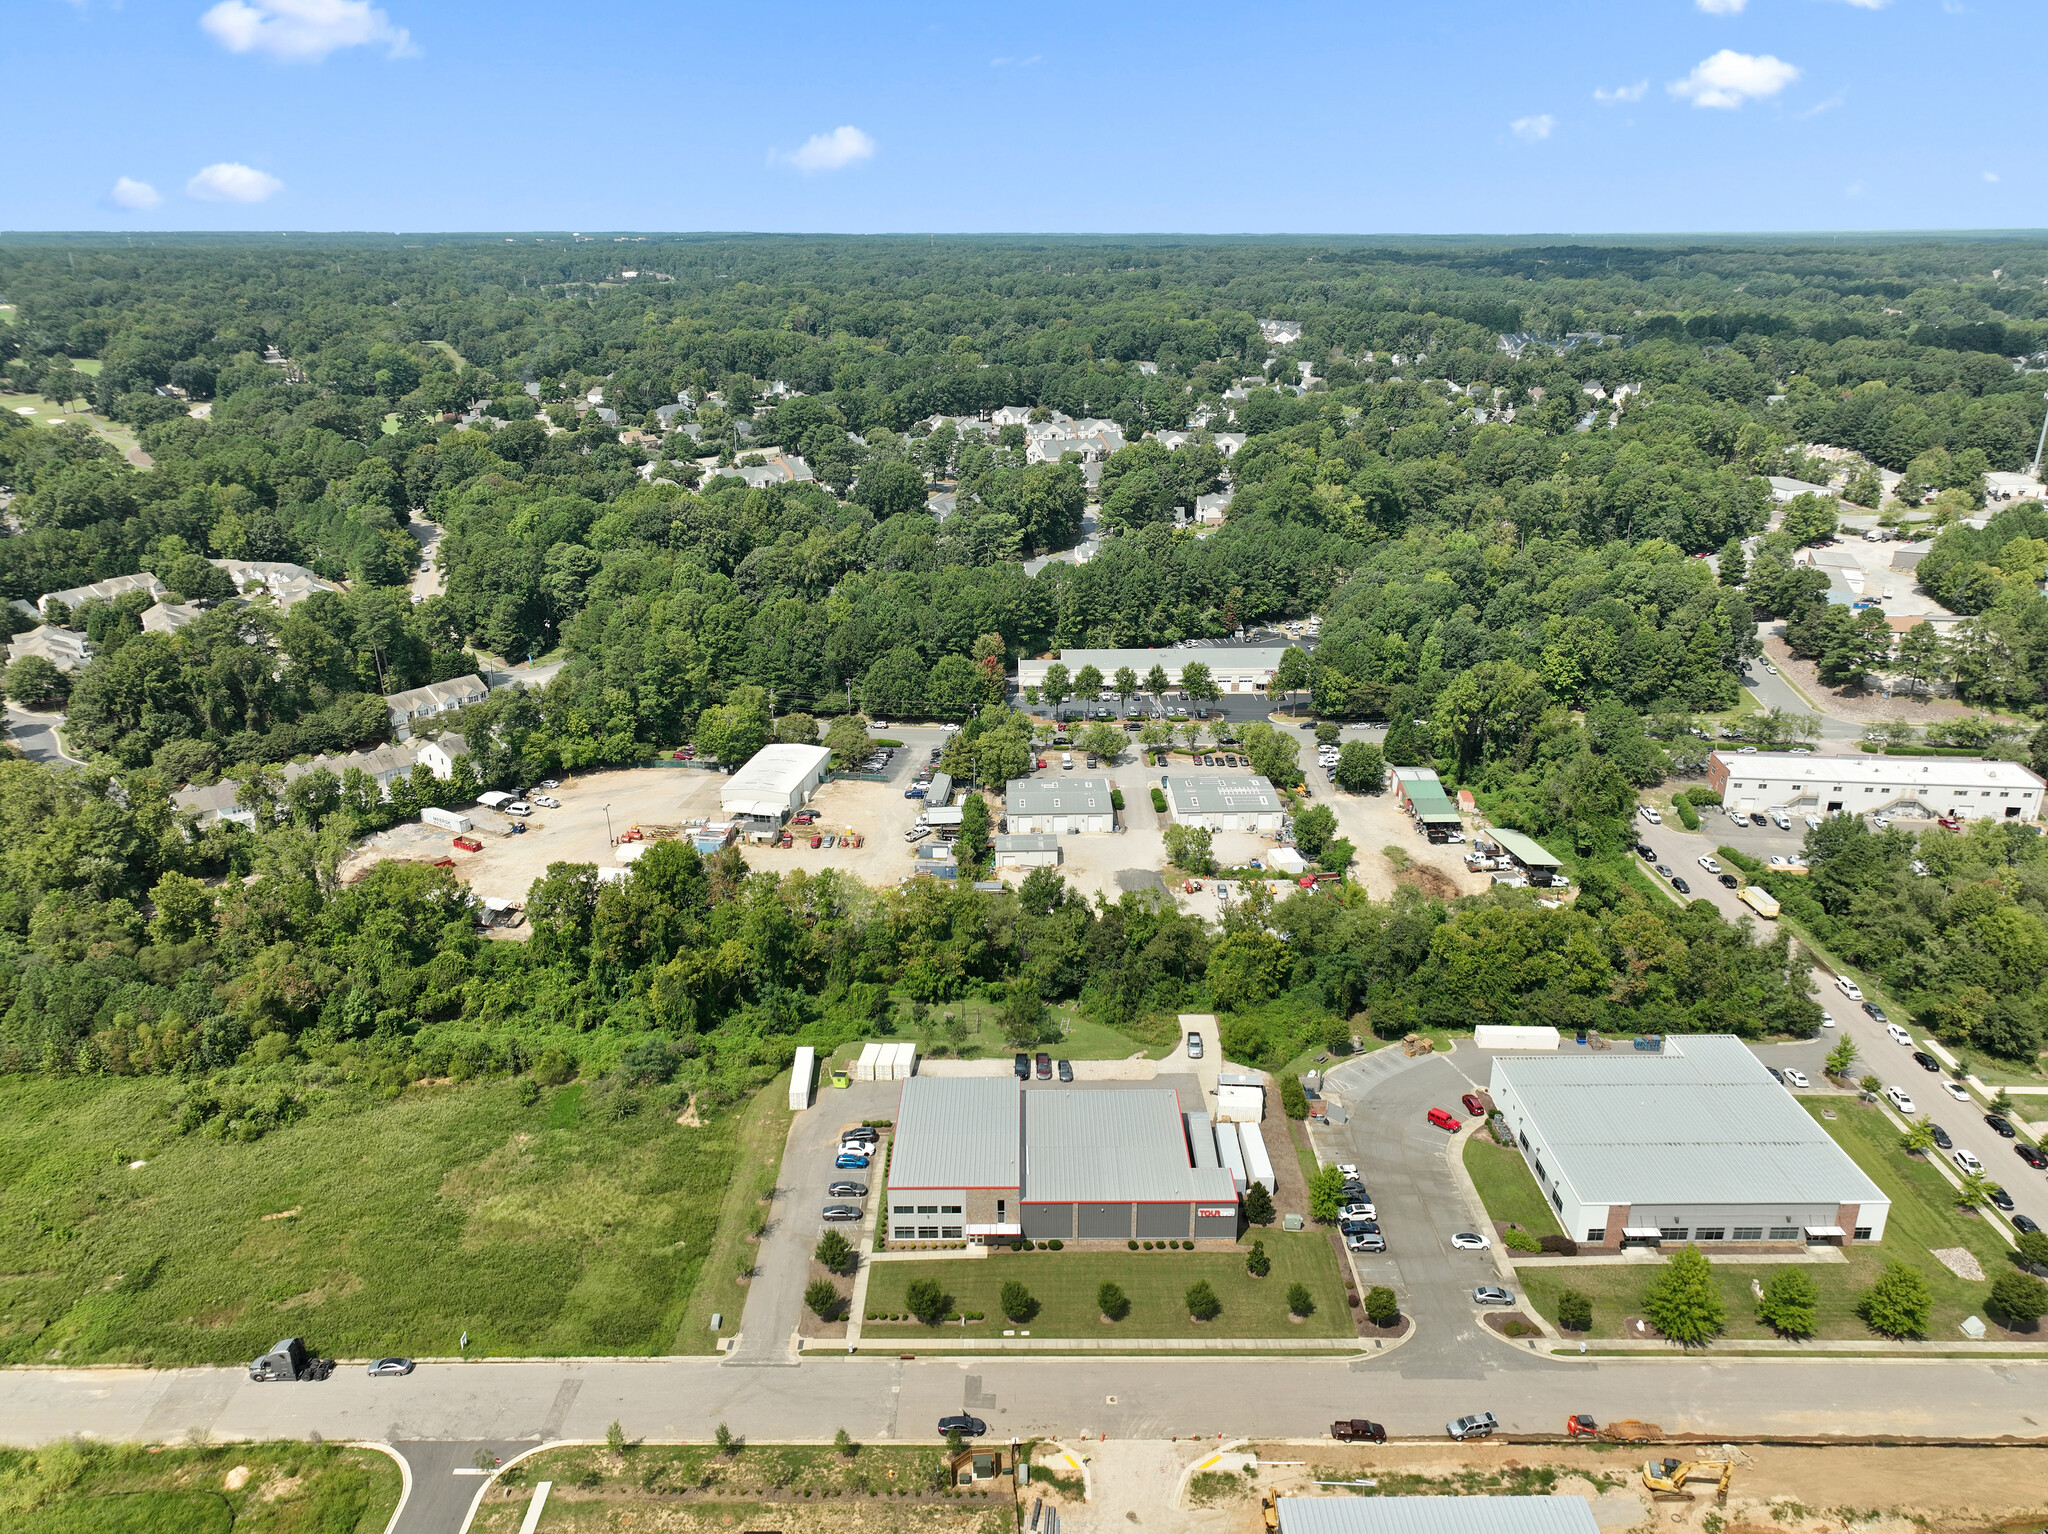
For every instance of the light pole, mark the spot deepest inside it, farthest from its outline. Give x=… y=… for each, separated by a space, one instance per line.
x=2042 y=443
x=612 y=840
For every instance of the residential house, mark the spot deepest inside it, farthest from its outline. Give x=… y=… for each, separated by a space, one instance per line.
x=1280 y=332
x=438 y=755
x=66 y=649
x=435 y=698
x=169 y=617
x=213 y=802
x=284 y=583
x=103 y=591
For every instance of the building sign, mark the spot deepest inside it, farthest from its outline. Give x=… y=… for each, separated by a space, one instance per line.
x=1223 y=1212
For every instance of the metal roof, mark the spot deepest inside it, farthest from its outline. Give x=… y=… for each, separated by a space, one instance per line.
x=1781 y=769
x=1035 y=841
x=957 y=1132
x=775 y=772
x=1525 y=850
x=1698 y=1122
x=1122 y=1145
x=1436 y=1515
x=1210 y=795
x=1057 y=796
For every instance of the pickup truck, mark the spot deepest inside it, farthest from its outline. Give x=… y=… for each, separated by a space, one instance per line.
x=1357 y=1430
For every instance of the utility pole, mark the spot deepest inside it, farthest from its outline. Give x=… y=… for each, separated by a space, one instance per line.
x=2042 y=443
x=608 y=826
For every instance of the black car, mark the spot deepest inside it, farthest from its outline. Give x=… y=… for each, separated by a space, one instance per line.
x=2000 y=1197
x=1646 y=852
x=1022 y=1066
x=1776 y=1075
x=2029 y=1155
x=1729 y=881
x=2024 y=1225
x=1066 y=1069
x=864 y=1134
x=1757 y=820
x=847 y=1190
x=1941 y=1139
x=1925 y=1061
x=1681 y=886
x=1354 y=1192
x=964 y=1425
x=1876 y=1013
x=2000 y=1126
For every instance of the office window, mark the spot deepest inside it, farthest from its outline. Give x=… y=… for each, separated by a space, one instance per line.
x=1747 y=1233
x=1710 y=1233
x=1556 y=1202
x=1671 y=1233
x=1862 y=1233
x=927 y=1208
x=1784 y=1232
x=949 y=1209
x=927 y=1232
x=1597 y=1233
x=949 y=1233
x=906 y=1233
x=905 y=1209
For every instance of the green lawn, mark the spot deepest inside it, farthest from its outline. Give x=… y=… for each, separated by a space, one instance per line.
x=1923 y=1216
x=981 y=1035
x=78 y=1487
x=1508 y=1188
x=760 y=1129
x=1064 y=1284
x=397 y=1225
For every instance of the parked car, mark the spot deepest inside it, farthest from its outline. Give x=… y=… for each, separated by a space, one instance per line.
x=1883 y=1019
x=1365 y=1241
x=1664 y=871
x=965 y=1426
x=1649 y=814
x=1900 y=1101
x=841 y=1212
x=1965 y=1162
x=519 y=807
x=1358 y=1430
x=1757 y=820
x=1443 y=1120
x=1796 y=1078
x=2024 y=1225
x=389 y=1368
x=2029 y=1155
x=1356 y=1212
x=1066 y=1070
x=1999 y=1197
x=1646 y=852
x=1492 y=1294
x=871 y=1136
x=1941 y=1139
x=1848 y=988
x=847 y=1190
x=1194 y=1046
x=803 y=817
x=1022 y=1066
x=1956 y=1090
x=1925 y=1061
x=2000 y=1126
x=547 y=801
x=1729 y=881
x=1473 y=1105
x=1776 y=1075
x=847 y=1161
x=1478 y=1425
x=1709 y=864
x=1470 y=1241
x=1681 y=886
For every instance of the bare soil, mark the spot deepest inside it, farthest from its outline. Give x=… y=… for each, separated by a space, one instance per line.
x=1858 y=705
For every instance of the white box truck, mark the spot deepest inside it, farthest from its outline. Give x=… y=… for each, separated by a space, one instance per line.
x=801 y=1070
x=1258 y=1166
x=447 y=820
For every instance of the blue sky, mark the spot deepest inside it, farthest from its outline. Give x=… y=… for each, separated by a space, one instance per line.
x=1371 y=117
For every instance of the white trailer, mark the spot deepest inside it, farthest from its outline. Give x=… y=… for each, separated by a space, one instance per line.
x=1258 y=1166
x=1240 y=1098
x=902 y=1061
x=801 y=1070
x=1232 y=1155
x=447 y=820
x=864 y=1067
x=1514 y=1036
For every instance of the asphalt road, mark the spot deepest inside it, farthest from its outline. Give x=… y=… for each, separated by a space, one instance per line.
x=36 y=736
x=1774 y=691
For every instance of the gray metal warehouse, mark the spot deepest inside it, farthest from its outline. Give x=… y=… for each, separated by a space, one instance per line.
x=982 y=1157
x=1060 y=806
x=1436 y=1515
x=1226 y=803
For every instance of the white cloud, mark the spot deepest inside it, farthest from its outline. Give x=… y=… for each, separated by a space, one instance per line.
x=1634 y=92
x=303 y=31
x=1822 y=106
x=1869 y=5
x=1728 y=79
x=1533 y=129
x=231 y=181
x=133 y=194
x=836 y=150
x=1721 y=7
x=1991 y=175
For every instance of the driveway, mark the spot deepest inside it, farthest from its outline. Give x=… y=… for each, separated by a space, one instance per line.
x=36 y=736
x=775 y=1297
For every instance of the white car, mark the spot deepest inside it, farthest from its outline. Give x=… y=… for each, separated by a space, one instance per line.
x=1710 y=865
x=1770 y=668
x=547 y=801
x=1779 y=862
x=1650 y=814
x=1956 y=1090
x=1826 y=1021
x=1900 y=1101
x=1848 y=988
x=1357 y=1212
x=519 y=807
x=949 y=729
x=1813 y=822
x=878 y=724
x=1797 y=1078
x=1349 y=1169
x=1965 y=1162
x=1881 y=822
x=1470 y=1241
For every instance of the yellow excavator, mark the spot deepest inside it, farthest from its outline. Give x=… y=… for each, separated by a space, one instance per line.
x=1269 y=1509
x=1667 y=1477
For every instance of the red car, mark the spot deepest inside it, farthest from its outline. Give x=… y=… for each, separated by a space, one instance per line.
x=818 y=840
x=803 y=817
x=1474 y=1106
x=1041 y=764
x=1443 y=1120
x=684 y=753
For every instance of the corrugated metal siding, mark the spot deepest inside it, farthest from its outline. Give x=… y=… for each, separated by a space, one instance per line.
x=957 y=1132
x=1436 y=1515
x=1111 y=1146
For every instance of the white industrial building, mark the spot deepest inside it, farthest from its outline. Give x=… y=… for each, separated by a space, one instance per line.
x=1961 y=787
x=1028 y=850
x=1237 y=668
x=776 y=780
x=1226 y=803
x=1435 y=1515
x=1061 y=806
x=1689 y=1142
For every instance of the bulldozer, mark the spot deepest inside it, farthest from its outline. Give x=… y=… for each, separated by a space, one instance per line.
x=1667 y=1477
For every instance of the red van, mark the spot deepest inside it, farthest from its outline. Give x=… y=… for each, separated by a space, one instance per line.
x=1443 y=1120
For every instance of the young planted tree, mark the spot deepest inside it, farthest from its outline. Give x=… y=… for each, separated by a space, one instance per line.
x=925 y=1299
x=1788 y=1303
x=1155 y=681
x=1683 y=1301
x=833 y=1251
x=1382 y=1307
x=1918 y=1139
x=1841 y=1058
x=821 y=1298
x=1016 y=1301
x=1258 y=1205
x=1202 y=1302
x=1256 y=1262
x=1299 y=1301
x=1574 y=1311
x=1111 y=1300
x=1898 y=1304
x=843 y=1442
x=1325 y=1195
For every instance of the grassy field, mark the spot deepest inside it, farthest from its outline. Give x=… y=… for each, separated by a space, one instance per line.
x=369 y=1226
x=77 y=1487
x=41 y=411
x=759 y=1130
x=1064 y=1284
x=1081 y=1039
x=1508 y=1188
x=1923 y=1216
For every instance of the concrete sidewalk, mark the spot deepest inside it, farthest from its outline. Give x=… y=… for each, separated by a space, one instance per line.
x=1122 y=1344
x=1725 y=1345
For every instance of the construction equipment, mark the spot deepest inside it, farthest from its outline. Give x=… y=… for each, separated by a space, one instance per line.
x=1628 y=1430
x=1667 y=1477
x=1269 y=1510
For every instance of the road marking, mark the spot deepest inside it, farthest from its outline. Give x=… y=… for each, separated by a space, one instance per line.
x=540 y=1500
x=470 y=1470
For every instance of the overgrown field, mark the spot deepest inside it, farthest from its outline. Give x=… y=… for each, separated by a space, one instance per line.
x=577 y=1222
x=1064 y=1284
x=71 y=1487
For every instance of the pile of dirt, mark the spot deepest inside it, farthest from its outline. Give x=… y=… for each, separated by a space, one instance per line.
x=1432 y=881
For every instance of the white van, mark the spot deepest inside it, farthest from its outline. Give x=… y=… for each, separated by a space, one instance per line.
x=1066 y=761
x=1899 y=1035
x=1848 y=988
x=1782 y=820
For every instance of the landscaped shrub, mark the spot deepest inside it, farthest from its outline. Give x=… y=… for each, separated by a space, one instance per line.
x=1686 y=813
x=1158 y=802
x=1202 y=1302
x=1381 y=1308
x=1517 y=1239
x=1148 y=1246
x=1056 y=1244
x=1256 y=1262
x=1299 y=1301
x=1133 y=1245
x=1111 y=1300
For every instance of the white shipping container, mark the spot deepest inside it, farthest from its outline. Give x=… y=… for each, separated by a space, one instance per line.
x=1201 y=1140
x=1512 y=1036
x=864 y=1067
x=801 y=1070
x=906 y=1061
x=1240 y=1105
x=1258 y=1166
x=1232 y=1154
x=447 y=820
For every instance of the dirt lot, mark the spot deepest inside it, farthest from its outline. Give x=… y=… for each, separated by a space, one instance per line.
x=1857 y=704
x=1374 y=821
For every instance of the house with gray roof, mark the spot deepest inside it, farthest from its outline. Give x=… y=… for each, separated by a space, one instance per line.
x=103 y=591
